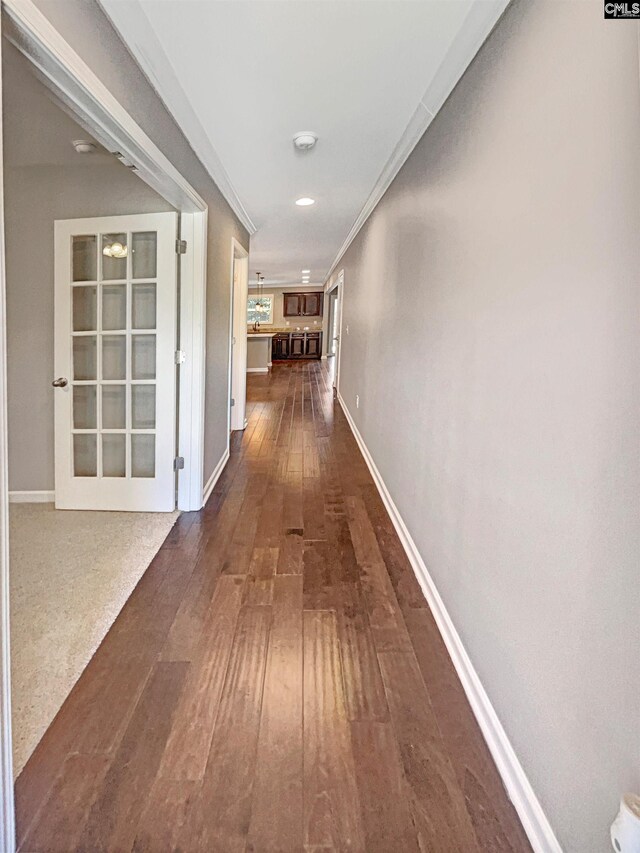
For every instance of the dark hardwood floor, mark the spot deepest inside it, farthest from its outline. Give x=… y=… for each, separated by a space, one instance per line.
x=276 y=681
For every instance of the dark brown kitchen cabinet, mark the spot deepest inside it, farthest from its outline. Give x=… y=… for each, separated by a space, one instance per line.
x=302 y=304
x=296 y=345
x=280 y=347
x=291 y=306
x=312 y=345
x=311 y=304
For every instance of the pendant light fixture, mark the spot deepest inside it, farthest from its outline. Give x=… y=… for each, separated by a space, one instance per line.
x=261 y=307
x=259 y=300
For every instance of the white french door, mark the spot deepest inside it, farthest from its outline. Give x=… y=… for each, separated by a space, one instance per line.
x=114 y=374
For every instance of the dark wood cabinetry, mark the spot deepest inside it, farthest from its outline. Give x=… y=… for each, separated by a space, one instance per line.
x=291 y=304
x=296 y=345
x=311 y=304
x=302 y=304
x=312 y=347
x=280 y=347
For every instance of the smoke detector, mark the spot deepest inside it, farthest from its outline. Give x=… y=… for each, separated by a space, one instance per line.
x=305 y=140
x=84 y=146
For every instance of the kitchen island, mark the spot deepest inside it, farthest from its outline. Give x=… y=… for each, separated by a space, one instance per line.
x=258 y=351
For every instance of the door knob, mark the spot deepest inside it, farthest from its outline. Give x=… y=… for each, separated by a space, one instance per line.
x=60 y=383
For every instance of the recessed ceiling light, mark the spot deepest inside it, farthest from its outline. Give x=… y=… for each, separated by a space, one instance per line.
x=305 y=202
x=306 y=272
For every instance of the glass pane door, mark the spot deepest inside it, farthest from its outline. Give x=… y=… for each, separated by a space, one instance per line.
x=115 y=341
x=114 y=358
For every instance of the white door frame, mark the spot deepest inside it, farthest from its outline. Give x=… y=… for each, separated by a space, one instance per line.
x=101 y=114
x=193 y=312
x=7 y=818
x=94 y=107
x=238 y=337
x=338 y=283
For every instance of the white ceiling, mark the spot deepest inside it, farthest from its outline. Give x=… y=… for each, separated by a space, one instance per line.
x=242 y=76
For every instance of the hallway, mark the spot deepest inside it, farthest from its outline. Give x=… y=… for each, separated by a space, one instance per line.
x=276 y=681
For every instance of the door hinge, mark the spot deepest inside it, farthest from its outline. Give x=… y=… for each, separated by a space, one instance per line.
x=181 y=247
x=178 y=463
x=180 y=356
x=233 y=402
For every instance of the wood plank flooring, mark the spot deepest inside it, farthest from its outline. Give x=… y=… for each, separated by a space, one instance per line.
x=276 y=681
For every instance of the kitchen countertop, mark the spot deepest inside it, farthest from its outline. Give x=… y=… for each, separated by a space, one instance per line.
x=260 y=334
x=288 y=330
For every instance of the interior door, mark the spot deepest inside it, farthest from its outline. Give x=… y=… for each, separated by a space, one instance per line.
x=114 y=372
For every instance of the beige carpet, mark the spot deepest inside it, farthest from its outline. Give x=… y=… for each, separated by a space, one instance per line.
x=70 y=573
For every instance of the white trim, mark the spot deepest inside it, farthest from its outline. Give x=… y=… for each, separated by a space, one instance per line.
x=237 y=386
x=193 y=312
x=131 y=22
x=518 y=787
x=340 y=300
x=7 y=813
x=213 y=479
x=257 y=369
x=92 y=104
x=32 y=497
x=482 y=17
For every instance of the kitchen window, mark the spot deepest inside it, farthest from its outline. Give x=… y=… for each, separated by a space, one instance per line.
x=260 y=309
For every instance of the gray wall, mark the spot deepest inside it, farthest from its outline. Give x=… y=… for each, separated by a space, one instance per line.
x=86 y=28
x=493 y=302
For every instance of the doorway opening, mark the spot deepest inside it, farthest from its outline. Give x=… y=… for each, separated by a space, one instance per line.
x=238 y=337
x=335 y=294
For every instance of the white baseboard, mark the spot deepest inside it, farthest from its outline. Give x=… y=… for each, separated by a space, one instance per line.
x=213 y=479
x=257 y=369
x=31 y=497
x=518 y=787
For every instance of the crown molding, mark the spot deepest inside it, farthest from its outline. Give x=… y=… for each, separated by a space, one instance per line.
x=419 y=122
x=135 y=30
x=482 y=17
